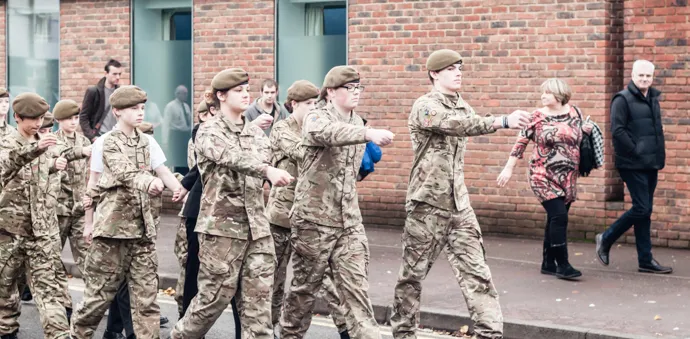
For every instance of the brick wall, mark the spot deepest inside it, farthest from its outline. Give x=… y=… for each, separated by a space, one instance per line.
x=659 y=30
x=91 y=33
x=233 y=34
x=3 y=43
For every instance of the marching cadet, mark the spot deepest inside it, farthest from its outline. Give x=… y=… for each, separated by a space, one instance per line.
x=326 y=222
x=26 y=220
x=70 y=210
x=288 y=153
x=439 y=215
x=123 y=233
x=234 y=235
x=5 y=128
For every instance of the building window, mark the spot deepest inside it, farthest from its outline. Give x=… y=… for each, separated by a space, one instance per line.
x=33 y=49
x=311 y=40
x=162 y=66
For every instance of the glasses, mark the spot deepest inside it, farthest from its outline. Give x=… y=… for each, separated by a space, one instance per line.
x=352 y=89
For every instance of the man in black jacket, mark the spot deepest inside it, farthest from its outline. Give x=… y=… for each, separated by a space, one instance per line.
x=96 y=117
x=638 y=142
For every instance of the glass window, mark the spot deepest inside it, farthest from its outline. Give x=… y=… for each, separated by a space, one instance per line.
x=162 y=66
x=33 y=49
x=311 y=40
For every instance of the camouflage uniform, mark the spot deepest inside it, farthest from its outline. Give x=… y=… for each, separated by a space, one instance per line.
x=28 y=235
x=287 y=153
x=234 y=236
x=180 y=247
x=5 y=129
x=327 y=225
x=124 y=239
x=439 y=216
x=70 y=210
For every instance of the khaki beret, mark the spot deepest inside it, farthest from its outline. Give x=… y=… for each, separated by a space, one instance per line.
x=4 y=93
x=30 y=105
x=65 y=109
x=302 y=90
x=202 y=108
x=127 y=96
x=47 y=120
x=229 y=78
x=146 y=127
x=441 y=59
x=340 y=75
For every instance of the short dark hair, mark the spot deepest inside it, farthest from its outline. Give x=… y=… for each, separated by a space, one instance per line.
x=112 y=63
x=269 y=83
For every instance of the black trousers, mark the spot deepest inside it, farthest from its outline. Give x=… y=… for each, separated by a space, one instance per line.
x=191 y=287
x=556 y=231
x=120 y=313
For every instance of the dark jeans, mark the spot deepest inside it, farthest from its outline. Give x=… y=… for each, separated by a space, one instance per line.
x=192 y=274
x=641 y=185
x=120 y=313
x=556 y=232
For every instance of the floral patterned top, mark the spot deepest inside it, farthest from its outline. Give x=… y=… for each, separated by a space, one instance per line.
x=553 y=167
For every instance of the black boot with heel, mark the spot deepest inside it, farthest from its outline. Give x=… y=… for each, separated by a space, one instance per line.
x=564 y=270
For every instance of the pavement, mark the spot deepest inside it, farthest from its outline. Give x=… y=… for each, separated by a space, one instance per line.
x=608 y=302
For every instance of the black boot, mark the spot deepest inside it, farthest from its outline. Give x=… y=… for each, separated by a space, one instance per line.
x=344 y=335
x=26 y=294
x=9 y=336
x=564 y=270
x=68 y=311
x=548 y=263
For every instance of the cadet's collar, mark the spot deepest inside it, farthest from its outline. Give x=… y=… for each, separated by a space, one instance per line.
x=135 y=140
x=446 y=101
x=231 y=125
x=337 y=113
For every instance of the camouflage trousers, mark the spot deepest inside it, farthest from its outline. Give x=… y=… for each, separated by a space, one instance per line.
x=428 y=231
x=223 y=262
x=281 y=239
x=108 y=263
x=40 y=256
x=72 y=228
x=346 y=252
x=180 y=250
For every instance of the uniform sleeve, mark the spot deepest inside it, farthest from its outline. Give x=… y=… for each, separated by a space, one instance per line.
x=435 y=118
x=216 y=148
x=190 y=154
x=77 y=152
x=122 y=169
x=13 y=159
x=321 y=130
x=288 y=143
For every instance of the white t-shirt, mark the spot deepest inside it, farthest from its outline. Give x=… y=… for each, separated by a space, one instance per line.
x=157 y=155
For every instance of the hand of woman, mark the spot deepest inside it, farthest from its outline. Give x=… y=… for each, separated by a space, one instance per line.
x=587 y=127
x=504 y=177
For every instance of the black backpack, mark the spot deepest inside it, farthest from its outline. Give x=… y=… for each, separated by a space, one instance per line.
x=587 y=157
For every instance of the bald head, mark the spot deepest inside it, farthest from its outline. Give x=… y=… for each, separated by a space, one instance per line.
x=181 y=93
x=643 y=75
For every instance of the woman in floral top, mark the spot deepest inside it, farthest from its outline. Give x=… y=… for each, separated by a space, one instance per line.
x=556 y=129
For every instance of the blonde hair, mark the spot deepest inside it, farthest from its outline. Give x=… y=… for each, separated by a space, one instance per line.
x=559 y=88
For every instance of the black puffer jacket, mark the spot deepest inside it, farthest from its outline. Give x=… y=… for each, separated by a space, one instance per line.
x=638 y=137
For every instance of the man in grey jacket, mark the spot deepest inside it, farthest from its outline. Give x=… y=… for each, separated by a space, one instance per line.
x=267 y=104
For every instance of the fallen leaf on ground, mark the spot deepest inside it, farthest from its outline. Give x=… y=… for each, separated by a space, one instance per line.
x=657 y=317
x=578 y=254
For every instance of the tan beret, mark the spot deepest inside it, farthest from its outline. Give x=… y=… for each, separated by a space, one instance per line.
x=47 y=120
x=202 y=108
x=441 y=59
x=229 y=78
x=340 y=75
x=30 y=105
x=302 y=90
x=65 y=109
x=4 y=93
x=127 y=96
x=146 y=127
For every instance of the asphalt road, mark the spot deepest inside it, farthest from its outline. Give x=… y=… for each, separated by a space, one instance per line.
x=321 y=328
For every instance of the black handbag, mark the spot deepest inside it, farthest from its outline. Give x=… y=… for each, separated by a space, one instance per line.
x=587 y=158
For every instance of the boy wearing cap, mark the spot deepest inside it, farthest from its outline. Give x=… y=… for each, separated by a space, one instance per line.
x=27 y=222
x=124 y=229
x=326 y=222
x=5 y=128
x=235 y=245
x=439 y=215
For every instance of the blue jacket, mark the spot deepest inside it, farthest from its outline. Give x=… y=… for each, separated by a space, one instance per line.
x=372 y=155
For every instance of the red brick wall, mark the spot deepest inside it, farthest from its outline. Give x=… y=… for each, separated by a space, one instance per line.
x=659 y=31
x=3 y=43
x=509 y=49
x=91 y=33
x=233 y=34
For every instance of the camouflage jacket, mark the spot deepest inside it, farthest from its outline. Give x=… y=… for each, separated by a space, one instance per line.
x=125 y=210
x=232 y=160
x=29 y=187
x=439 y=129
x=5 y=129
x=326 y=192
x=73 y=183
x=286 y=144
